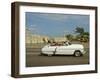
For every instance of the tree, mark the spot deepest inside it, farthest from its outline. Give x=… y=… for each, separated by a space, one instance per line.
x=85 y=36
x=82 y=35
x=79 y=30
x=69 y=37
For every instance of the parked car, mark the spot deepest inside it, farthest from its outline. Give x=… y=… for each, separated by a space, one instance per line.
x=63 y=49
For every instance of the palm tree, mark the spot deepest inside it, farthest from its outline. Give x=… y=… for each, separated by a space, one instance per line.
x=82 y=36
x=79 y=30
x=86 y=36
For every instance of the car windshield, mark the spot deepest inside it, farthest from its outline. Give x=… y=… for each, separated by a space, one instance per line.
x=66 y=43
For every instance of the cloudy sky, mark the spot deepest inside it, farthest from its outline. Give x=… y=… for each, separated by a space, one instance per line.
x=55 y=24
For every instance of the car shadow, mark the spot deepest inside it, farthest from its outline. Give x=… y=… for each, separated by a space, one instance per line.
x=57 y=55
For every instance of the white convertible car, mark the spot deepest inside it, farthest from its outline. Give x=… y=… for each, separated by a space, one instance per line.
x=63 y=49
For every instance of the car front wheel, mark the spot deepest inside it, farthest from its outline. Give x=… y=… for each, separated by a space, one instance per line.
x=77 y=53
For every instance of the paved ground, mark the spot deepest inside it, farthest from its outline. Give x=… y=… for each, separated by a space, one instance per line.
x=33 y=58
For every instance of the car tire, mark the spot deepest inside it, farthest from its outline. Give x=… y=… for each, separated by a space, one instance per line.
x=77 y=53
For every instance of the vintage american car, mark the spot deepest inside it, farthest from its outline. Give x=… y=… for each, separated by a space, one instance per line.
x=63 y=49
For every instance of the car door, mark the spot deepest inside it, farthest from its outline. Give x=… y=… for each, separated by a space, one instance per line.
x=51 y=48
x=64 y=50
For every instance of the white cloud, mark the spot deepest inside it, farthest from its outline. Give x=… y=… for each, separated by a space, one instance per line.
x=33 y=28
x=55 y=16
x=60 y=17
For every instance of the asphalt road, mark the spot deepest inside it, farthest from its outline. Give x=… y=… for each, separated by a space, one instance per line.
x=33 y=59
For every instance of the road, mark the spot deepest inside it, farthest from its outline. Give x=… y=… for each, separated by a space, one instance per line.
x=33 y=59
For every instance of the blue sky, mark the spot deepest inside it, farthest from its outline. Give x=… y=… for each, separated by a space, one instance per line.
x=50 y=24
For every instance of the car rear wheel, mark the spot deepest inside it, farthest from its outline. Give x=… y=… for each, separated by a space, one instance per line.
x=77 y=53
